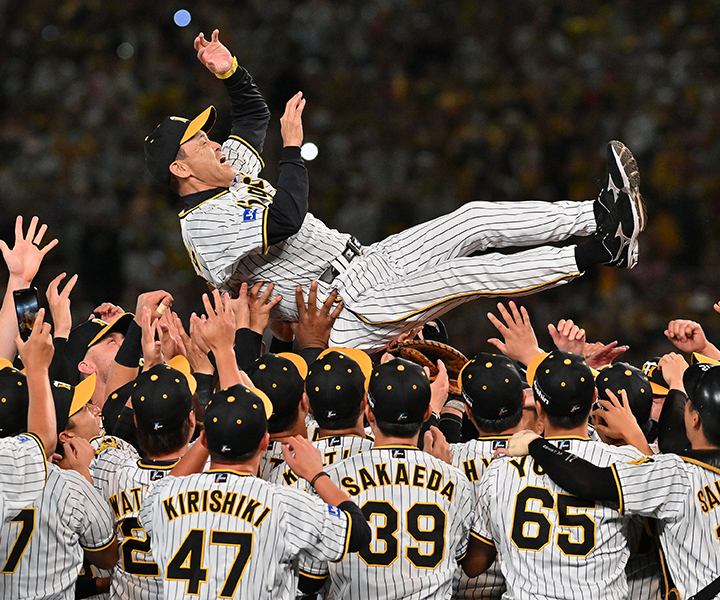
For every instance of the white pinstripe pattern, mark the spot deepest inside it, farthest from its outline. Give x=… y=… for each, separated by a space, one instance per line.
x=271 y=460
x=353 y=577
x=548 y=572
x=296 y=523
x=22 y=473
x=69 y=515
x=684 y=497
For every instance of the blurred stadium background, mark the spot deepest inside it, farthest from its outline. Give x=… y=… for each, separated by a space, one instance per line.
x=415 y=106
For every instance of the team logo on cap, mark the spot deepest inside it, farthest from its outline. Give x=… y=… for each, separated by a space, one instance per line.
x=157 y=426
x=402 y=417
x=331 y=414
x=225 y=448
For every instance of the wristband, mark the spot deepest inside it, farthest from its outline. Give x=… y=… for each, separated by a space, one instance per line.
x=456 y=404
x=318 y=476
x=229 y=72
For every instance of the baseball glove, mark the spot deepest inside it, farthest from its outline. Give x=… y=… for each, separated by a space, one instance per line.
x=426 y=353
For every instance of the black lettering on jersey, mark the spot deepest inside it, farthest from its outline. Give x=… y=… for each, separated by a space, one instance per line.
x=398 y=453
x=419 y=476
x=229 y=503
x=330 y=457
x=215 y=500
x=448 y=491
x=350 y=486
x=401 y=475
x=181 y=504
x=205 y=500
x=240 y=505
x=519 y=465
x=276 y=461
x=537 y=469
x=334 y=441
x=434 y=481
x=261 y=518
x=499 y=444
x=127 y=506
x=249 y=512
x=170 y=511
x=711 y=498
x=703 y=504
x=366 y=479
x=221 y=477
x=290 y=477
x=486 y=462
x=346 y=453
x=136 y=496
x=382 y=476
x=114 y=505
x=192 y=501
x=470 y=470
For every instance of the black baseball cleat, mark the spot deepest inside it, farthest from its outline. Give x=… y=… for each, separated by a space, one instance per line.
x=620 y=230
x=622 y=174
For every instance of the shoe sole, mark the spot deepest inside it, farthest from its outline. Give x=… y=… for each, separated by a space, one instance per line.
x=619 y=155
x=632 y=247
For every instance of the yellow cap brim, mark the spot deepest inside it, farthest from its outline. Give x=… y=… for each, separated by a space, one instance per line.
x=705 y=360
x=298 y=361
x=361 y=358
x=120 y=324
x=180 y=363
x=199 y=123
x=82 y=393
x=266 y=401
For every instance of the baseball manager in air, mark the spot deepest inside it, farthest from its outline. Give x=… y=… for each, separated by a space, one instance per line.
x=239 y=228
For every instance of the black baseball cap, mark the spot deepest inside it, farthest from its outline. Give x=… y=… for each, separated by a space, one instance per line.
x=562 y=382
x=621 y=376
x=162 y=145
x=236 y=420
x=491 y=386
x=280 y=377
x=13 y=400
x=86 y=335
x=435 y=331
x=692 y=375
x=161 y=399
x=655 y=377
x=399 y=392
x=69 y=399
x=335 y=386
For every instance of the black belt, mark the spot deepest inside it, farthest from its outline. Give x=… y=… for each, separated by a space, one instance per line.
x=352 y=249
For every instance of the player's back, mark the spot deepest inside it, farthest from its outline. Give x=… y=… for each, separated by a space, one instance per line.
x=231 y=535
x=473 y=458
x=552 y=544
x=419 y=509
x=122 y=478
x=41 y=547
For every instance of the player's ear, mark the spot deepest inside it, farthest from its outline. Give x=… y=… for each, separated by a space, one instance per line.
x=369 y=414
x=427 y=414
x=86 y=368
x=305 y=404
x=202 y=439
x=180 y=169
x=264 y=443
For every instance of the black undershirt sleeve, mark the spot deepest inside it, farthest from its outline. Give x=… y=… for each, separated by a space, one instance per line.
x=290 y=203
x=671 y=424
x=360 y=534
x=574 y=474
x=451 y=427
x=247 y=347
x=249 y=111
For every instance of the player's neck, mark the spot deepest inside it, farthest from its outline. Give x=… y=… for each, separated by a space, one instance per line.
x=251 y=467
x=193 y=186
x=550 y=431
x=299 y=428
x=358 y=430
x=177 y=454
x=385 y=440
x=491 y=434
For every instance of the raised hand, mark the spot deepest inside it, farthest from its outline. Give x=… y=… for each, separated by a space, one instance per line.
x=109 y=312
x=315 y=324
x=260 y=306
x=217 y=329
x=152 y=349
x=171 y=341
x=520 y=341
x=25 y=257
x=599 y=355
x=291 y=128
x=213 y=54
x=688 y=336
x=567 y=336
x=157 y=301
x=59 y=302
x=37 y=352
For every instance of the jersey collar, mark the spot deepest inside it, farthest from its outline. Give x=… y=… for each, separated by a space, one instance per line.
x=193 y=200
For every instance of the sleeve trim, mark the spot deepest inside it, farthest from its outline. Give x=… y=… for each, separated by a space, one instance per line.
x=249 y=146
x=347 y=537
x=482 y=539
x=42 y=450
x=619 y=489
x=264 y=232
x=230 y=71
x=103 y=547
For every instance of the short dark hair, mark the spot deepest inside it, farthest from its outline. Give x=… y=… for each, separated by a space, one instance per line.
x=174 y=181
x=710 y=431
x=337 y=424
x=153 y=443
x=279 y=424
x=499 y=425
x=225 y=460
x=401 y=430
x=568 y=421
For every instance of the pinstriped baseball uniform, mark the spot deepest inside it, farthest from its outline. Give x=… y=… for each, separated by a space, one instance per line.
x=683 y=494
x=23 y=471
x=551 y=544
x=271 y=459
x=231 y=535
x=41 y=548
x=334 y=449
x=472 y=458
x=396 y=284
x=419 y=509
x=122 y=479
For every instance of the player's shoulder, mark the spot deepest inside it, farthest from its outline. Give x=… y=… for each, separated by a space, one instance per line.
x=477 y=448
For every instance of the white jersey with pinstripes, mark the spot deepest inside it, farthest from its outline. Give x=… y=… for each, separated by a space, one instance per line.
x=551 y=544
x=122 y=478
x=41 y=547
x=23 y=471
x=419 y=509
x=223 y=534
x=334 y=449
x=472 y=458
x=272 y=459
x=683 y=494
